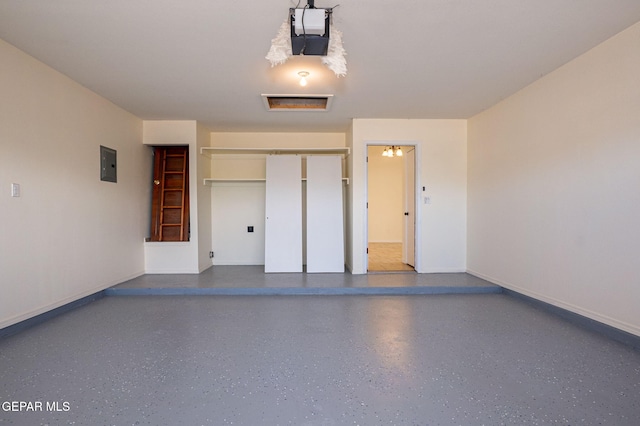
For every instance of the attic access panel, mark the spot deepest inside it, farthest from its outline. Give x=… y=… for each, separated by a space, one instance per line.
x=297 y=102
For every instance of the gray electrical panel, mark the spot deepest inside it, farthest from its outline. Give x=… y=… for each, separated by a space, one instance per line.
x=108 y=164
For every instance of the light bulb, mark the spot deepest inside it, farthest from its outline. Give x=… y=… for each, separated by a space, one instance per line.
x=303 y=77
x=399 y=152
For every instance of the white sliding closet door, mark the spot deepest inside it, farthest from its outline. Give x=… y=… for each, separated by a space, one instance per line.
x=283 y=212
x=325 y=217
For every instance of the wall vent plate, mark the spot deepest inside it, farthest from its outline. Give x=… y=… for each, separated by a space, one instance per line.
x=108 y=164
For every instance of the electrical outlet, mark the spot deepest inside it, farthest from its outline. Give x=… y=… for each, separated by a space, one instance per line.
x=249 y=228
x=210 y=255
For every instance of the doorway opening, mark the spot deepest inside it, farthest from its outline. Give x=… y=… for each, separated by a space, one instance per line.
x=391 y=208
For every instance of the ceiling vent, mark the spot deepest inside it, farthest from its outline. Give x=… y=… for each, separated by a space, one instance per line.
x=297 y=102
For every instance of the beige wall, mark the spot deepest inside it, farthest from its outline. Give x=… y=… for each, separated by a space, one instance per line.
x=248 y=166
x=554 y=186
x=69 y=234
x=441 y=159
x=277 y=140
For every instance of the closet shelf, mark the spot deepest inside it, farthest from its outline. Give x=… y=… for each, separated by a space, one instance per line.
x=215 y=180
x=211 y=150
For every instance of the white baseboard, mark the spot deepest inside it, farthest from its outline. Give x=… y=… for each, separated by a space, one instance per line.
x=620 y=325
x=48 y=307
x=443 y=271
x=171 y=271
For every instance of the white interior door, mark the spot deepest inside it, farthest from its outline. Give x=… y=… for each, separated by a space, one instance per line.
x=283 y=214
x=409 y=242
x=325 y=228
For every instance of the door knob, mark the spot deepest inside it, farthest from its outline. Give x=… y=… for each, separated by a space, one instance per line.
x=156 y=182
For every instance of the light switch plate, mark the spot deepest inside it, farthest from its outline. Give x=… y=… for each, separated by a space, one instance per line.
x=15 y=189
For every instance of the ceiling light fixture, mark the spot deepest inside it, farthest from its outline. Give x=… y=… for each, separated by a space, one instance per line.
x=392 y=151
x=303 y=77
x=309 y=31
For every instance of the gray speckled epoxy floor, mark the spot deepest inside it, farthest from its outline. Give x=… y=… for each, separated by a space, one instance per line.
x=318 y=360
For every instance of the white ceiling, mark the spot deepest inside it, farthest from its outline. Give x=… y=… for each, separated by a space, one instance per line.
x=205 y=59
